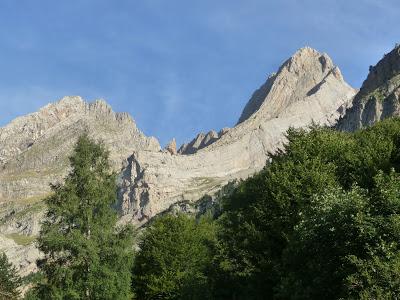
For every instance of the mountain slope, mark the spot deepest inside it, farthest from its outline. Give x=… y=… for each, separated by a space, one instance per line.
x=34 y=149
x=34 y=152
x=378 y=97
x=307 y=88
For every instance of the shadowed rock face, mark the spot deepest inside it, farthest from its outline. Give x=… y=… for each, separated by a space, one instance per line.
x=34 y=149
x=308 y=87
x=201 y=141
x=378 y=97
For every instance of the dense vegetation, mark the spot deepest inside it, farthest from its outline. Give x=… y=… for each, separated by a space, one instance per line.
x=321 y=221
x=174 y=259
x=86 y=255
x=9 y=280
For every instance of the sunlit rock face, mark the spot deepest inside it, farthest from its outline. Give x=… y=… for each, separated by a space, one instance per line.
x=34 y=151
x=307 y=88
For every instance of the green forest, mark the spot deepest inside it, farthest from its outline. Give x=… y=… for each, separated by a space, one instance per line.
x=320 y=221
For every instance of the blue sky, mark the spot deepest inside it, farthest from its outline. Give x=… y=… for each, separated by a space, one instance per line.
x=178 y=67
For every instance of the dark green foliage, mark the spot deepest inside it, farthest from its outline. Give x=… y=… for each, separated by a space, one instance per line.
x=86 y=255
x=9 y=280
x=174 y=259
x=32 y=279
x=317 y=222
x=377 y=274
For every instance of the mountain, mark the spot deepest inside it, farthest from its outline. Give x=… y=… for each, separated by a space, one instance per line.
x=307 y=88
x=34 y=149
x=379 y=96
x=34 y=152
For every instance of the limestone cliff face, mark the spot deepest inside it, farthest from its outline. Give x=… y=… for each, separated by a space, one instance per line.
x=378 y=97
x=34 y=149
x=34 y=152
x=307 y=88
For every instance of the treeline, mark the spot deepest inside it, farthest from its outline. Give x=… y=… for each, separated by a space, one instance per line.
x=321 y=221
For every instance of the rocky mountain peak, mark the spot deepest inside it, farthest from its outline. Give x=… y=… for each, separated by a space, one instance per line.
x=302 y=75
x=387 y=68
x=100 y=106
x=171 y=147
x=201 y=141
x=34 y=149
x=306 y=59
x=69 y=101
x=307 y=81
x=379 y=96
x=23 y=132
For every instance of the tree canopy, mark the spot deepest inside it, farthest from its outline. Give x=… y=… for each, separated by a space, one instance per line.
x=9 y=280
x=86 y=255
x=320 y=221
x=174 y=259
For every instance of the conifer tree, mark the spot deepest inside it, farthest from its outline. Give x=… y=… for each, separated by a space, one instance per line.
x=86 y=255
x=9 y=280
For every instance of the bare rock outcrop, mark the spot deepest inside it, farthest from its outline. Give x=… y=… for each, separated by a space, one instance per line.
x=307 y=88
x=200 y=141
x=379 y=96
x=22 y=256
x=34 y=151
x=171 y=147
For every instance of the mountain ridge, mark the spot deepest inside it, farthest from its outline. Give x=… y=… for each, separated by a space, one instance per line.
x=307 y=88
x=160 y=179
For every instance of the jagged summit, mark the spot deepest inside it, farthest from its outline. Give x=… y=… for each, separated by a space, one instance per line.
x=200 y=141
x=34 y=149
x=307 y=87
x=23 y=132
x=379 y=95
x=299 y=77
x=68 y=100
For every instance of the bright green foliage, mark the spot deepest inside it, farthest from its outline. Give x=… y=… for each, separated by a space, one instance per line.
x=377 y=274
x=174 y=259
x=346 y=244
x=335 y=226
x=317 y=222
x=9 y=280
x=86 y=256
